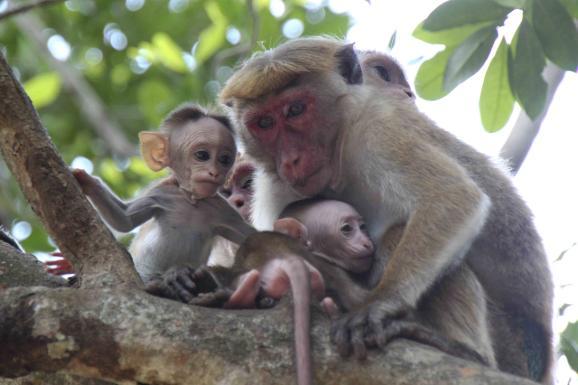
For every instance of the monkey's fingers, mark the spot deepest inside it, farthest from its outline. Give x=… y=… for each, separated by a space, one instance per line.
x=340 y=336
x=59 y=267
x=357 y=326
x=179 y=292
x=214 y=299
x=204 y=280
x=330 y=308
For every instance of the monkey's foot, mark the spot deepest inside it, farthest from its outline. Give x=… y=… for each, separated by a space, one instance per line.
x=365 y=328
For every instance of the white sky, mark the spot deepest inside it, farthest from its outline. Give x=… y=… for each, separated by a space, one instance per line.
x=547 y=180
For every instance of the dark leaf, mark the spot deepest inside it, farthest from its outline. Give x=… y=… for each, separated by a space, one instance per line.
x=457 y=13
x=525 y=64
x=557 y=33
x=569 y=344
x=469 y=57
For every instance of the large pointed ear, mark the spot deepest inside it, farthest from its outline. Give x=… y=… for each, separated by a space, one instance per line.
x=293 y=228
x=154 y=148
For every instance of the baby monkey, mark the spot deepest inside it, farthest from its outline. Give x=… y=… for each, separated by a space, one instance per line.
x=343 y=253
x=182 y=212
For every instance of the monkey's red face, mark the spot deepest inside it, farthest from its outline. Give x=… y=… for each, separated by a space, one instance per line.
x=291 y=128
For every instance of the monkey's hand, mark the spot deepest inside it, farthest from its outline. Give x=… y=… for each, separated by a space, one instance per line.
x=60 y=266
x=86 y=181
x=182 y=284
x=367 y=327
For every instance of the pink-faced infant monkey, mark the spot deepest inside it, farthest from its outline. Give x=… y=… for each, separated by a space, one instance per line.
x=451 y=318
x=238 y=191
x=181 y=214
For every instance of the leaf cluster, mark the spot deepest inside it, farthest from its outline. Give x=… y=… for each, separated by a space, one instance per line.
x=469 y=31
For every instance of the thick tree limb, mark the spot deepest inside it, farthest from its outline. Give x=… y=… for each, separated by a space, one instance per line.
x=27 y=7
x=54 y=194
x=19 y=269
x=86 y=98
x=525 y=130
x=131 y=336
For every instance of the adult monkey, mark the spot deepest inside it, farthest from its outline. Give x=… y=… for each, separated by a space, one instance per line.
x=315 y=127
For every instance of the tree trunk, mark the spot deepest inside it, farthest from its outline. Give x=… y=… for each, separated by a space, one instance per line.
x=54 y=194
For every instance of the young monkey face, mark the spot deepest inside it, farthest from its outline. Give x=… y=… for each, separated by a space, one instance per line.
x=201 y=154
x=238 y=189
x=338 y=231
x=352 y=244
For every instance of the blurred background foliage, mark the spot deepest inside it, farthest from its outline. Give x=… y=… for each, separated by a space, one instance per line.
x=138 y=59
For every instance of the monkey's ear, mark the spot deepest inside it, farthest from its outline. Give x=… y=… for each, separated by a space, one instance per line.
x=293 y=228
x=349 y=66
x=154 y=148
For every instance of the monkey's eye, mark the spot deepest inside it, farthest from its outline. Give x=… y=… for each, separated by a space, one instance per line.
x=295 y=109
x=383 y=72
x=265 y=122
x=202 y=155
x=226 y=160
x=247 y=184
x=346 y=229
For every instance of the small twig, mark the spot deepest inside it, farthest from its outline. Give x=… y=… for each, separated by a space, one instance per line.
x=241 y=49
x=27 y=7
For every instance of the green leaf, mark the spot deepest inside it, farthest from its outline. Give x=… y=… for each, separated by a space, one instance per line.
x=213 y=37
x=448 y=37
x=43 y=89
x=169 y=53
x=525 y=64
x=430 y=76
x=496 y=99
x=155 y=99
x=392 y=40
x=569 y=344
x=520 y=4
x=557 y=33
x=469 y=57
x=457 y=13
x=571 y=7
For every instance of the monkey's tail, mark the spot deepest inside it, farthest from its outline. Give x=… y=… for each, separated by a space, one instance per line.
x=301 y=290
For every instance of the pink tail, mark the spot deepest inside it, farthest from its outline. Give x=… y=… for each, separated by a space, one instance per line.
x=301 y=290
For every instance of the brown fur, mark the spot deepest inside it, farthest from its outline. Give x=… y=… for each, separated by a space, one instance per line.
x=396 y=166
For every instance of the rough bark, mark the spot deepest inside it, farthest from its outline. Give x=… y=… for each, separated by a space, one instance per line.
x=54 y=194
x=20 y=269
x=127 y=335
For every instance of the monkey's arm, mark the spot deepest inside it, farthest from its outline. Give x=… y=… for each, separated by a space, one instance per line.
x=228 y=223
x=118 y=214
x=446 y=211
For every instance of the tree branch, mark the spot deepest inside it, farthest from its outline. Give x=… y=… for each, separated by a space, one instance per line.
x=124 y=336
x=524 y=132
x=86 y=98
x=26 y=7
x=54 y=194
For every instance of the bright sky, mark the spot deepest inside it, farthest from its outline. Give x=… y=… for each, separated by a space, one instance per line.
x=547 y=180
